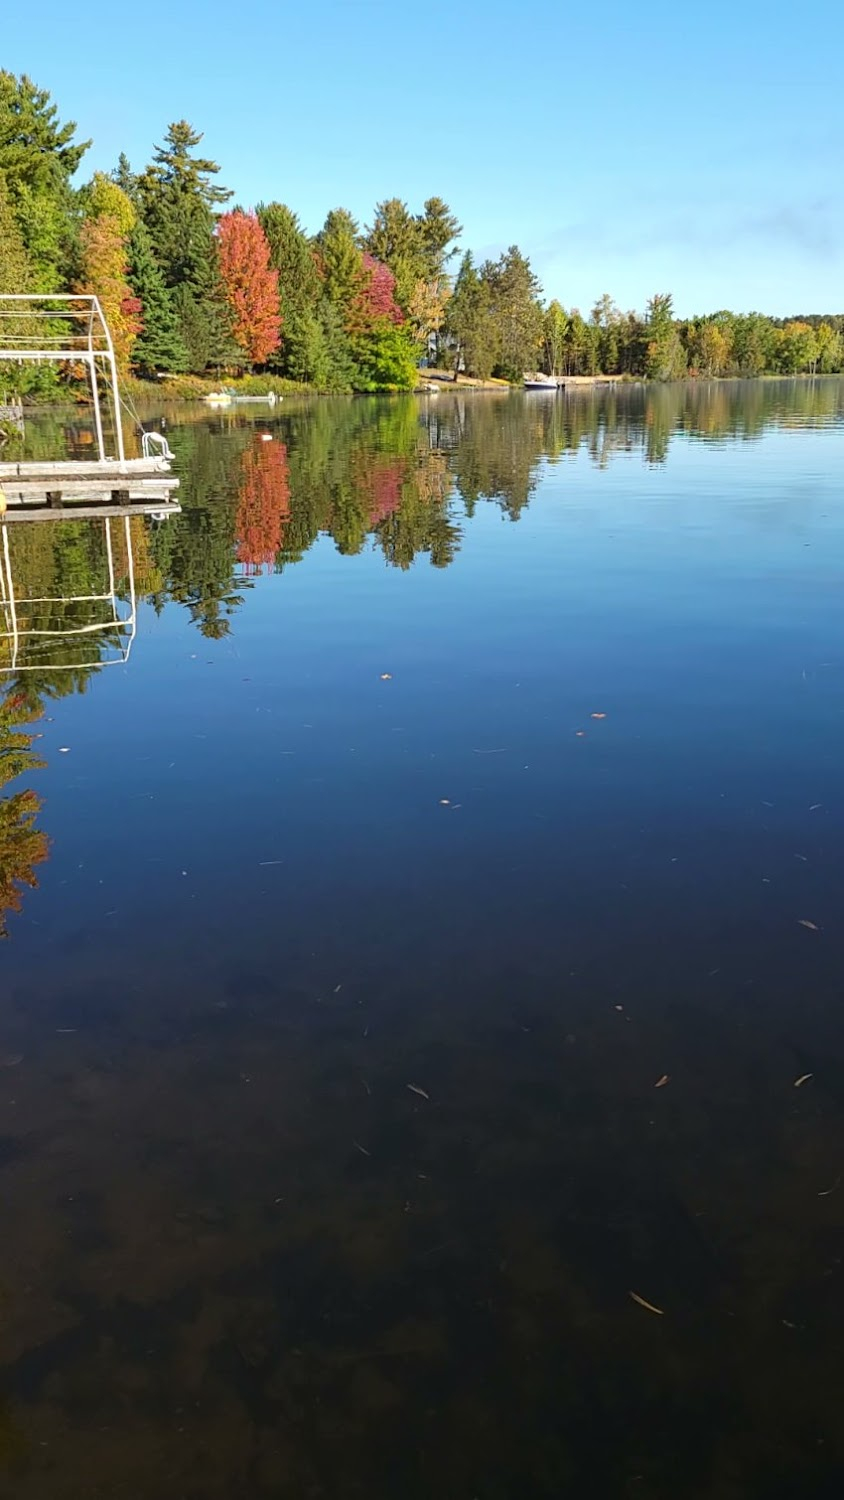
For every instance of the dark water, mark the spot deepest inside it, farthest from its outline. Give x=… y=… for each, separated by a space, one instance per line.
x=408 y=959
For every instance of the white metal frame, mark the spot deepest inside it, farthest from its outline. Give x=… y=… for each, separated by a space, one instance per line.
x=10 y=604
x=88 y=340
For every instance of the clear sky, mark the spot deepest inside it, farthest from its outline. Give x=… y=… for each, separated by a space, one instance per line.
x=695 y=149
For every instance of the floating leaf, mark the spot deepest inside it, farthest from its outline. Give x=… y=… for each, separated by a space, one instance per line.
x=812 y=926
x=415 y=1090
x=647 y=1305
x=597 y=716
x=386 y=676
x=661 y=1082
x=804 y=1078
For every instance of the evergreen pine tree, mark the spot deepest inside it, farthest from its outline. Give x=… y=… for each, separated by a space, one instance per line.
x=179 y=201
x=159 y=345
x=203 y=318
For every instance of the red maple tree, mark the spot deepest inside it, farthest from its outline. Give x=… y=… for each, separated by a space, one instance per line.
x=376 y=297
x=250 y=284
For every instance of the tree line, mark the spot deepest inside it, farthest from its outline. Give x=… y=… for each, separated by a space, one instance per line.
x=190 y=285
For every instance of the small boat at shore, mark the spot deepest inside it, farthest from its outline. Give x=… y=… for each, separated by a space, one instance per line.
x=540 y=382
x=233 y=398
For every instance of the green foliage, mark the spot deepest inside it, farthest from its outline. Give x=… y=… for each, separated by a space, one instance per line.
x=471 y=322
x=174 y=170
x=307 y=356
x=16 y=272
x=102 y=196
x=36 y=151
x=38 y=157
x=341 y=257
x=666 y=357
x=159 y=345
x=386 y=358
x=414 y=246
x=299 y=290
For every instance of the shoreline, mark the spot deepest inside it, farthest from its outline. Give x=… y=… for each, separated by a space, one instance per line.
x=193 y=389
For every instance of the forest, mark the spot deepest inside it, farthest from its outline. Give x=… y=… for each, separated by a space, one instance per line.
x=194 y=287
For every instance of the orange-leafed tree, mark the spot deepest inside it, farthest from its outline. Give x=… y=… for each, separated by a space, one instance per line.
x=263 y=505
x=250 y=285
x=22 y=844
x=104 y=239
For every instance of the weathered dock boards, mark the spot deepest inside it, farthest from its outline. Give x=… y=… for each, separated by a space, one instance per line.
x=80 y=512
x=73 y=483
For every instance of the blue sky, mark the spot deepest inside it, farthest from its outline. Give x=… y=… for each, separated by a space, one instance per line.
x=625 y=148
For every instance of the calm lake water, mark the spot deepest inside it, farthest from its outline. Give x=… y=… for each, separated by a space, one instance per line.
x=423 y=933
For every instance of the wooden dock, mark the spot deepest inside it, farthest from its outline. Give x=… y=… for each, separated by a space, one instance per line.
x=87 y=488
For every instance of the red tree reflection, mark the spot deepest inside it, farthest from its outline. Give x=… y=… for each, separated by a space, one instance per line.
x=263 y=505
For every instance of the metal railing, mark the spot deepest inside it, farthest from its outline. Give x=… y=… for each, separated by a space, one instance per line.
x=63 y=327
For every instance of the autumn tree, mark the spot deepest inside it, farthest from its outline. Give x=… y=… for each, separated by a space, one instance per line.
x=710 y=345
x=416 y=248
x=393 y=239
x=426 y=310
x=22 y=844
x=250 y=285
x=375 y=297
x=104 y=255
x=797 y=348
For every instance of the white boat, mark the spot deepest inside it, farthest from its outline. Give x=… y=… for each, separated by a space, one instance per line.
x=224 y=397
x=540 y=383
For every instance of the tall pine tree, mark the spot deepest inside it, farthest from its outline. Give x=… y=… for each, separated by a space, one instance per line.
x=159 y=345
x=179 y=201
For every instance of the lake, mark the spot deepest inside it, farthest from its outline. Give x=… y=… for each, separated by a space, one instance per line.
x=421 y=1017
